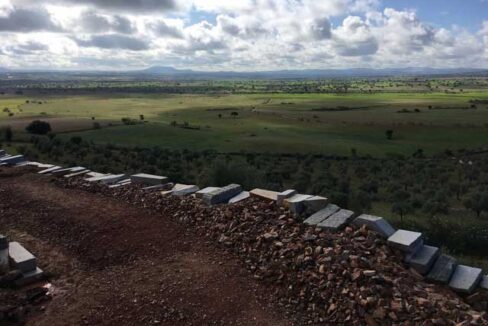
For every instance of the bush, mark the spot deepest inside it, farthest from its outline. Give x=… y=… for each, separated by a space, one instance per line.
x=38 y=127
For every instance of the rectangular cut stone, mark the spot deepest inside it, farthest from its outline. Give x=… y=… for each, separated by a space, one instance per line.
x=168 y=185
x=12 y=160
x=222 y=195
x=423 y=259
x=76 y=174
x=337 y=220
x=148 y=179
x=322 y=214
x=280 y=197
x=484 y=282
x=49 y=170
x=376 y=224
x=71 y=170
x=465 y=279
x=181 y=190
x=442 y=270
x=93 y=174
x=108 y=179
x=201 y=192
x=30 y=277
x=264 y=194
x=40 y=165
x=240 y=197
x=406 y=241
x=21 y=258
x=295 y=203
x=314 y=204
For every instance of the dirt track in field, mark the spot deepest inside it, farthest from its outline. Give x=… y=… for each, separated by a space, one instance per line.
x=113 y=263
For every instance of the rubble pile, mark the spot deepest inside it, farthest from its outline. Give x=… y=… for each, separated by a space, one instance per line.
x=347 y=277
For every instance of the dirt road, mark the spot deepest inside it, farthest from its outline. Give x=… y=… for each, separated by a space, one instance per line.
x=113 y=263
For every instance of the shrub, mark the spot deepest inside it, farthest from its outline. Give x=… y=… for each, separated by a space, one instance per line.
x=38 y=127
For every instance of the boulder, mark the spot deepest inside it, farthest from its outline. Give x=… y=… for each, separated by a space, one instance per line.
x=376 y=224
x=465 y=279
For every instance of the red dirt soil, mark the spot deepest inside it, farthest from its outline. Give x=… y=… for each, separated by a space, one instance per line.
x=113 y=263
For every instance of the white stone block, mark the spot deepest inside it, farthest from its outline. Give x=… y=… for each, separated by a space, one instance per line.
x=337 y=221
x=148 y=179
x=322 y=214
x=240 y=197
x=21 y=258
x=50 y=170
x=465 y=279
x=406 y=241
x=423 y=260
x=280 y=197
x=314 y=204
x=264 y=194
x=296 y=203
x=201 y=192
x=376 y=224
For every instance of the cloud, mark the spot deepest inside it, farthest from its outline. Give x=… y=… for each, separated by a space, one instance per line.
x=27 y=48
x=354 y=38
x=163 y=29
x=27 y=20
x=114 y=41
x=116 y=5
x=93 y=22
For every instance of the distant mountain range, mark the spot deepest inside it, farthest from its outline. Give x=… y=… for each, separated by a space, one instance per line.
x=170 y=72
x=312 y=73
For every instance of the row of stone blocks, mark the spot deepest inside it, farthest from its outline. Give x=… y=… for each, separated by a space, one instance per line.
x=427 y=260
x=13 y=254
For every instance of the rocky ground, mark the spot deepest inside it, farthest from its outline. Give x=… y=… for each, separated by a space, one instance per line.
x=127 y=257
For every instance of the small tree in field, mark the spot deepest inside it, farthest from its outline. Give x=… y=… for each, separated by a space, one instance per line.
x=8 y=134
x=38 y=127
x=389 y=134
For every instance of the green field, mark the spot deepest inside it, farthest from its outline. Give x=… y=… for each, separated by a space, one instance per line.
x=311 y=123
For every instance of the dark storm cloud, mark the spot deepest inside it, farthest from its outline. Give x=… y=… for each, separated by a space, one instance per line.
x=118 y=5
x=27 y=20
x=114 y=41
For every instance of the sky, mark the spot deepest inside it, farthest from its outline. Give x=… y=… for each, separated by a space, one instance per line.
x=243 y=35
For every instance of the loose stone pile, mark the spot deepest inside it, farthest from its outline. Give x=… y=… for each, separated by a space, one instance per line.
x=335 y=266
